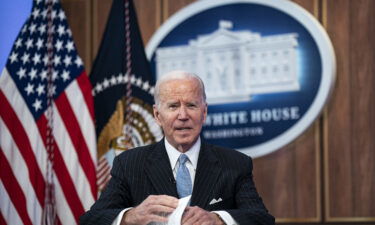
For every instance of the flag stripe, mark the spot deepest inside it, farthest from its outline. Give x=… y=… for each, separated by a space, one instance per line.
x=14 y=190
x=58 y=221
x=86 y=88
x=69 y=122
x=76 y=97
x=2 y=220
x=101 y=167
x=7 y=208
x=62 y=173
x=64 y=215
x=105 y=171
x=103 y=181
x=22 y=141
x=19 y=169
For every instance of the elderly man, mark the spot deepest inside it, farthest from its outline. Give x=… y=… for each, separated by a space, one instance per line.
x=147 y=181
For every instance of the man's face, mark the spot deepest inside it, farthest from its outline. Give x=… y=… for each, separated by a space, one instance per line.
x=181 y=112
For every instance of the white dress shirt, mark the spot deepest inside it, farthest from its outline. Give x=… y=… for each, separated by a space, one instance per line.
x=191 y=164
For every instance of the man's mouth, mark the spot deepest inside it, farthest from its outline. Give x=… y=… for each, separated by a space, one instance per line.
x=183 y=128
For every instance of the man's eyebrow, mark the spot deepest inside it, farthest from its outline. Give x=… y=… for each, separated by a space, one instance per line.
x=171 y=102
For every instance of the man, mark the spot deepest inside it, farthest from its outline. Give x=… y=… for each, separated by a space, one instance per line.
x=147 y=181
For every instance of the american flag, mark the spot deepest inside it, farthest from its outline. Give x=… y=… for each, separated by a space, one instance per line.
x=47 y=133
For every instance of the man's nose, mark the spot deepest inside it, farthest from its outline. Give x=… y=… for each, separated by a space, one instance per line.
x=182 y=113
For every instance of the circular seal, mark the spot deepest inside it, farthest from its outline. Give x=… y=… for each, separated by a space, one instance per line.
x=268 y=66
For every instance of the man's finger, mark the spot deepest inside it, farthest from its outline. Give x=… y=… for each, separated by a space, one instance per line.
x=163 y=200
x=191 y=215
x=187 y=214
x=160 y=209
x=153 y=208
x=191 y=220
x=158 y=218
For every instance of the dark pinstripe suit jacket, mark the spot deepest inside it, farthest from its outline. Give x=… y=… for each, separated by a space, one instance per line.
x=221 y=173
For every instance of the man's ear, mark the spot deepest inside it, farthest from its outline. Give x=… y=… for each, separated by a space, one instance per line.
x=156 y=114
x=205 y=112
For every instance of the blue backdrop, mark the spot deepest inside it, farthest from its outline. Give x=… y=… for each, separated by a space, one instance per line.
x=13 y=14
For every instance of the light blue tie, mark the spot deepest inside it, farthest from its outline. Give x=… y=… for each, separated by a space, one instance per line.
x=183 y=180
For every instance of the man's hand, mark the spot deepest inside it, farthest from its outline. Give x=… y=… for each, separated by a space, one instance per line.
x=196 y=215
x=150 y=210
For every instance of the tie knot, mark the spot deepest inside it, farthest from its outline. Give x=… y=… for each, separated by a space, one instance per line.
x=182 y=159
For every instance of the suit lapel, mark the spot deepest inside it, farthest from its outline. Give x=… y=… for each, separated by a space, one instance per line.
x=208 y=171
x=159 y=171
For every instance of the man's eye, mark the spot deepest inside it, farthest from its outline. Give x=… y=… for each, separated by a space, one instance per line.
x=172 y=106
x=191 y=105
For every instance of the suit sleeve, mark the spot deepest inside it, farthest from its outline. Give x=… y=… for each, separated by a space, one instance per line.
x=250 y=209
x=112 y=201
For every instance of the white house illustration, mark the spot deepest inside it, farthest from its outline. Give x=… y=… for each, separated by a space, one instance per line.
x=236 y=64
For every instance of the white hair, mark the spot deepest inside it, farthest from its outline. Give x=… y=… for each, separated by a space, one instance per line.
x=177 y=75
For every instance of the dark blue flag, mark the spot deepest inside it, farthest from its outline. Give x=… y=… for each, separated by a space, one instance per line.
x=123 y=89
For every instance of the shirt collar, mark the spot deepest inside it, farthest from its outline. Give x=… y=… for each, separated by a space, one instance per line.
x=192 y=153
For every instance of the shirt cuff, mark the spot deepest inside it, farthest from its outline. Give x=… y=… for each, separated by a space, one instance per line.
x=118 y=219
x=226 y=217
